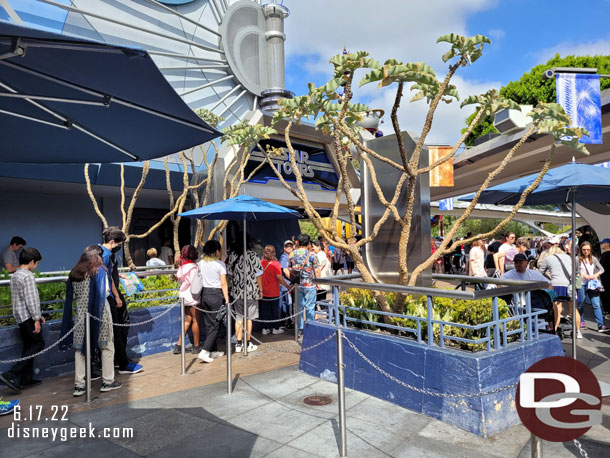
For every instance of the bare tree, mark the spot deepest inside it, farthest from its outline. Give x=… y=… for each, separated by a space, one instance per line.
x=337 y=115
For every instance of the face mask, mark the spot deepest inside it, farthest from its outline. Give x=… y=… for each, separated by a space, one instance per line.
x=116 y=249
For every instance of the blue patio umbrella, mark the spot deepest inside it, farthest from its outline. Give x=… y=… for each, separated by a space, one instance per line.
x=245 y=208
x=569 y=183
x=70 y=100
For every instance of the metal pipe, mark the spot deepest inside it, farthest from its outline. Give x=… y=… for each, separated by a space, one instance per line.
x=574 y=323
x=245 y=285
x=239 y=96
x=206 y=85
x=496 y=319
x=182 y=339
x=185 y=56
x=298 y=316
x=99 y=103
x=88 y=354
x=229 y=370
x=225 y=97
x=196 y=67
x=429 y=314
x=341 y=393
x=535 y=446
x=182 y=16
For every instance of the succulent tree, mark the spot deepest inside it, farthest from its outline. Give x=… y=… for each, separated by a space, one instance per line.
x=335 y=113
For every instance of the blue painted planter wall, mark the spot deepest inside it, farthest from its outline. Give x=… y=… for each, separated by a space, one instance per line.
x=147 y=339
x=431 y=368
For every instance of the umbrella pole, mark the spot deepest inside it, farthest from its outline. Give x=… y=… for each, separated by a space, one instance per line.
x=229 y=371
x=575 y=325
x=245 y=270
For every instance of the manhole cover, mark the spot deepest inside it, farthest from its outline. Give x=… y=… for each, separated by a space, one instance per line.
x=317 y=400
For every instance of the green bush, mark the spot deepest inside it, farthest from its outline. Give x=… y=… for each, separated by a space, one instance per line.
x=468 y=312
x=52 y=291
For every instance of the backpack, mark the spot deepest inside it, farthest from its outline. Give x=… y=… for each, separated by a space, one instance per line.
x=296 y=271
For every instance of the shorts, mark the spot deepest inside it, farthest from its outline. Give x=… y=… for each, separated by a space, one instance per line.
x=350 y=264
x=562 y=293
x=238 y=309
x=337 y=266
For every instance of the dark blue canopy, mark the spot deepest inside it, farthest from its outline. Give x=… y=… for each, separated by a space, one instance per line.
x=88 y=102
x=589 y=183
x=242 y=207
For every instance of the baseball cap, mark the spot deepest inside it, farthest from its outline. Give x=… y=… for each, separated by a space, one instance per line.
x=288 y=242
x=606 y=240
x=554 y=240
x=520 y=257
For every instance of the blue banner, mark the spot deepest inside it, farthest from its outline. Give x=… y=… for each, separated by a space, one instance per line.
x=579 y=96
x=445 y=204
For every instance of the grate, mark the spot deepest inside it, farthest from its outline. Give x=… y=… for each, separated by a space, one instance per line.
x=317 y=400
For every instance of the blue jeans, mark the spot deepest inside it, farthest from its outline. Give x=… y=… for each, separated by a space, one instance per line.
x=593 y=298
x=307 y=301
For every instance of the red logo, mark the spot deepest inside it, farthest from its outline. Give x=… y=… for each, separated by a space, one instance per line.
x=559 y=399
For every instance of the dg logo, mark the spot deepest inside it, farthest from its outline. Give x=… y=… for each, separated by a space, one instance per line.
x=559 y=399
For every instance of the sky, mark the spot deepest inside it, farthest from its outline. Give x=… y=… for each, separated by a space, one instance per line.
x=524 y=33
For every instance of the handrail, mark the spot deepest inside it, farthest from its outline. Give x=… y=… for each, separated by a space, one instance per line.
x=63 y=279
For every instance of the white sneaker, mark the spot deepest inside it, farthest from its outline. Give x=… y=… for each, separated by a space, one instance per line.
x=277 y=331
x=266 y=331
x=579 y=335
x=217 y=354
x=251 y=346
x=238 y=348
x=205 y=357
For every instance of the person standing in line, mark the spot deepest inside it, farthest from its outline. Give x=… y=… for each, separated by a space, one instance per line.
x=27 y=314
x=503 y=259
x=604 y=260
x=187 y=274
x=305 y=263
x=214 y=290
x=88 y=285
x=166 y=254
x=271 y=280
x=10 y=255
x=252 y=282
x=153 y=260
x=558 y=266
x=113 y=239
x=285 y=295
x=476 y=262
x=338 y=261
x=590 y=271
x=492 y=249
x=325 y=270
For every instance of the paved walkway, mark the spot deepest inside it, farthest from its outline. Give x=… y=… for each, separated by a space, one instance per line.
x=192 y=416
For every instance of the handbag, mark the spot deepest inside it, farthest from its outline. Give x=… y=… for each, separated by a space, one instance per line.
x=594 y=284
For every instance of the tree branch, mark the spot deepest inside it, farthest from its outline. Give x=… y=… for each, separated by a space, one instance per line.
x=92 y=197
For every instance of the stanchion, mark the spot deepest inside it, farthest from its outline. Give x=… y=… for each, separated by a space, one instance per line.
x=182 y=339
x=295 y=309
x=536 y=447
x=88 y=355
x=245 y=286
x=229 y=371
x=341 y=393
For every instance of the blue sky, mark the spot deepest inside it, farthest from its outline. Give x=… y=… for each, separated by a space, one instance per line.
x=524 y=33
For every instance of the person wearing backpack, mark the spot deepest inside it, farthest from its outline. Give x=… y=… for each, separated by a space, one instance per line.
x=304 y=267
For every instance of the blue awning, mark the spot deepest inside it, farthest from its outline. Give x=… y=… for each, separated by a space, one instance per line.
x=69 y=100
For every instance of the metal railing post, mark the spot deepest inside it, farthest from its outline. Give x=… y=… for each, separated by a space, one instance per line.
x=341 y=393
x=88 y=355
x=295 y=309
x=182 y=339
x=536 y=447
x=335 y=305
x=528 y=311
x=229 y=370
x=429 y=315
x=496 y=319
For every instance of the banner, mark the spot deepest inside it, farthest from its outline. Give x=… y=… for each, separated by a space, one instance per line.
x=443 y=174
x=579 y=96
x=445 y=204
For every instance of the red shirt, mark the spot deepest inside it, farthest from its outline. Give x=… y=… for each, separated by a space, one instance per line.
x=271 y=285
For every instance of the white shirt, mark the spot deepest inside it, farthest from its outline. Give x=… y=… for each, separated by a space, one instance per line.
x=154 y=262
x=210 y=273
x=165 y=253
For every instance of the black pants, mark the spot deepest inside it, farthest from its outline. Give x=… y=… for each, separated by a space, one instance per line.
x=269 y=309
x=23 y=372
x=212 y=300
x=119 y=316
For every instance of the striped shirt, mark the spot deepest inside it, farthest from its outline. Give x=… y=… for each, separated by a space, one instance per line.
x=24 y=296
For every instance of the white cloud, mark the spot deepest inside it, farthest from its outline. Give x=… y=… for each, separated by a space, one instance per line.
x=316 y=30
x=448 y=119
x=591 y=48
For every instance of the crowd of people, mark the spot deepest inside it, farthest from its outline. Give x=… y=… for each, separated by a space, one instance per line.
x=548 y=260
